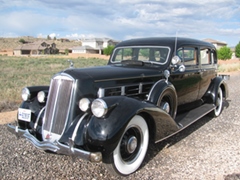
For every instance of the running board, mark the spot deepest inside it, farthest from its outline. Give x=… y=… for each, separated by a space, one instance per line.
x=185 y=119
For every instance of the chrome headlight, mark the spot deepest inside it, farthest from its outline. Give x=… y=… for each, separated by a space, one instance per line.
x=99 y=108
x=84 y=104
x=41 y=96
x=26 y=94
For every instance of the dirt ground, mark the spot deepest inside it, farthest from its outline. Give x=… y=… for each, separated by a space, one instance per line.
x=7 y=117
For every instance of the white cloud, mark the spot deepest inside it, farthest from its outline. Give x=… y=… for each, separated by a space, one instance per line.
x=122 y=19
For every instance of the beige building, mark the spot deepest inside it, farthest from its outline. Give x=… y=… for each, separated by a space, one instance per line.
x=93 y=45
x=36 y=48
x=217 y=44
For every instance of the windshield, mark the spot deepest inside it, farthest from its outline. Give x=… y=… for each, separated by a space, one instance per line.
x=153 y=54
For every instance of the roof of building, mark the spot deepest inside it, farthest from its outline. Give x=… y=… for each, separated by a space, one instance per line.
x=214 y=41
x=37 y=45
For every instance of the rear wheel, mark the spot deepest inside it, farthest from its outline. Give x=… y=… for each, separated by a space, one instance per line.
x=131 y=149
x=219 y=104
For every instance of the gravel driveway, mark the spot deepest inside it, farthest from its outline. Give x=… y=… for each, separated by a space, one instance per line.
x=208 y=149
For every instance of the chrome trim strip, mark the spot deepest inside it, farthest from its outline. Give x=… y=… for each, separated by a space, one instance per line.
x=77 y=126
x=153 y=87
x=135 y=77
x=101 y=92
x=38 y=117
x=56 y=146
x=123 y=91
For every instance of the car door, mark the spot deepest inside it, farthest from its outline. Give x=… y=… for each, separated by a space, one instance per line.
x=207 y=61
x=187 y=83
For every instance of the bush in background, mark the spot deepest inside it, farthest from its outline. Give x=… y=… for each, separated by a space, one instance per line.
x=224 y=53
x=108 y=50
x=22 y=41
x=237 y=50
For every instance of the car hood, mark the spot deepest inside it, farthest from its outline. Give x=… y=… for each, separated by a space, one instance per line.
x=110 y=72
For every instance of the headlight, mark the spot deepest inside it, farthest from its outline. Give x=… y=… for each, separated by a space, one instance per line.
x=41 y=96
x=84 y=104
x=26 y=94
x=99 y=108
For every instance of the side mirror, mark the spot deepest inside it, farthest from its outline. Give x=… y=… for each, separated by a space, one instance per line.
x=176 y=62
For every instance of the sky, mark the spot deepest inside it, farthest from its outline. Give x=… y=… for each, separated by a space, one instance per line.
x=122 y=19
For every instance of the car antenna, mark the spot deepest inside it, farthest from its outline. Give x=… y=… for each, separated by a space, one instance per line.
x=176 y=43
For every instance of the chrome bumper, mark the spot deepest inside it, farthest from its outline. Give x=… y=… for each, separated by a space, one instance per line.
x=56 y=146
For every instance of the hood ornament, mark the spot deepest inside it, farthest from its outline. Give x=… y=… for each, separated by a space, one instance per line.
x=71 y=63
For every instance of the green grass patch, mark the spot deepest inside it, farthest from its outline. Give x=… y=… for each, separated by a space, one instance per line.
x=18 y=72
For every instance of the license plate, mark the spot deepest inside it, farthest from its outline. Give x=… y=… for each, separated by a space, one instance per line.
x=24 y=114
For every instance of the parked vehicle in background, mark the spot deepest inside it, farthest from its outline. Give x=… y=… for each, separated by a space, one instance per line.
x=151 y=88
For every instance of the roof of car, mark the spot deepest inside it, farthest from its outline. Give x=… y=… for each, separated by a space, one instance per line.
x=164 y=41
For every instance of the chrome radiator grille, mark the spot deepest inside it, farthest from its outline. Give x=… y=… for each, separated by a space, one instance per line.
x=58 y=104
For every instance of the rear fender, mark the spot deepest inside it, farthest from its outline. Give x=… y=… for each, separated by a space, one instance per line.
x=217 y=82
x=106 y=132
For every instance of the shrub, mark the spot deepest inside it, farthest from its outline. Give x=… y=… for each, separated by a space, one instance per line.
x=22 y=41
x=66 y=51
x=108 y=50
x=224 y=53
x=237 y=50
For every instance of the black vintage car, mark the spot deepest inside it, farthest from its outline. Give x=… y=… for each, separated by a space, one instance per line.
x=151 y=88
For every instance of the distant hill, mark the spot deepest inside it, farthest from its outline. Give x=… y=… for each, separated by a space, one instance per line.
x=11 y=43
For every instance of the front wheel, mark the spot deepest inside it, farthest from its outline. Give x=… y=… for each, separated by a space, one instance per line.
x=131 y=149
x=219 y=104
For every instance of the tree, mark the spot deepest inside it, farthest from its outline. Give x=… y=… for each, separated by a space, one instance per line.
x=22 y=41
x=66 y=51
x=48 y=37
x=237 y=50
x=224 y=53
x=108 y=50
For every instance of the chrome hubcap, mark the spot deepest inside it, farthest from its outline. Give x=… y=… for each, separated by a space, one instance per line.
x=132 y=144
x=166 y=107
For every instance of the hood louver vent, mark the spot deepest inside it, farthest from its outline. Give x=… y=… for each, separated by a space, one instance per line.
x=128 y=90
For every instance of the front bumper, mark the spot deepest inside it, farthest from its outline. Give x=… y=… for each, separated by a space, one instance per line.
x=56 y=146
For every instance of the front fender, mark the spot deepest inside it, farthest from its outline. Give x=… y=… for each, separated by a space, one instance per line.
x=32 y=105
x=106 y=132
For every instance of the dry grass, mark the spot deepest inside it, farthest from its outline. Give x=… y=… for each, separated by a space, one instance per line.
x=229 y=67
x=18 y=72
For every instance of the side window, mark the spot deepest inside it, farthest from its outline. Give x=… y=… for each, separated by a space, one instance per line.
x=205 y=56
x=188 y=55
